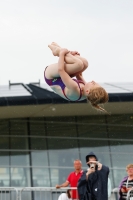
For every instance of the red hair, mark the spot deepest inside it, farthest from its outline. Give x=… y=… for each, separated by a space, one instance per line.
x=98 y=96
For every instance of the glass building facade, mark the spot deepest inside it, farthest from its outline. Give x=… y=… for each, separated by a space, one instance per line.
x=41 y=151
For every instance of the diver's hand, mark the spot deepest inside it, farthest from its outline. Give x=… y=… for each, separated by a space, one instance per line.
x=75 y=53
x=64 y=52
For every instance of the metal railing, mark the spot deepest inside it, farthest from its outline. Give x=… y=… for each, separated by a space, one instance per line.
x=47 y=193
x=9 y=193
x=115 y=194
x=130 y=194
x=32 y=193
x=43 y=193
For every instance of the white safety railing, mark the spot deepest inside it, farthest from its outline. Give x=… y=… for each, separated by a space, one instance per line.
x=115 y=194
x=51 y=193
x=44 y=193
x=130 y=194
x=47 y=193
x=9 y=193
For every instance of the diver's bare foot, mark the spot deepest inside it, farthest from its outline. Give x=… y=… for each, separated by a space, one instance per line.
x=55 y=50
x=55 y=44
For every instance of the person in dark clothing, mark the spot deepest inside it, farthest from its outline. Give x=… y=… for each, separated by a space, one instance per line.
x=93 y=183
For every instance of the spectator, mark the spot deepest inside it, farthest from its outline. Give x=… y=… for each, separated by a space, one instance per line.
x=65 y=196
x=126 y=183
x=93 y=183
x=72 y=180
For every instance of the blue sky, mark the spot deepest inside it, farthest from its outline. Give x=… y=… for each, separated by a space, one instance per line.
x=101 y=30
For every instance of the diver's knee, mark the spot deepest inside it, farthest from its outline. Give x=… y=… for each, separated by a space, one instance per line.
x=86 y=64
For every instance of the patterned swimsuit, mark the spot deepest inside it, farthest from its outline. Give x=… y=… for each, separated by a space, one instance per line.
x=58 y=81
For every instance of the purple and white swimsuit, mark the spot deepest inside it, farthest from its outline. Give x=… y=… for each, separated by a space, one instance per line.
x=58 y=81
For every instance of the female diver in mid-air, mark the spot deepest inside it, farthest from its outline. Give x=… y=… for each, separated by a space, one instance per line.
x=59 y=77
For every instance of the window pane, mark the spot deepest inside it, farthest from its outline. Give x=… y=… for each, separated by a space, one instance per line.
x=4 y=158
x=54 y=176
x=4 y=127
x=39 y=158
x=62 y=152
x=18 y=143
x=20 y=177
x=4 y=142
x=4 y=177
x=38 y=143
x=20 y=158
x=37 y=126
x=92 y=127
x=41 y=177
x=59 y=175
x=122 y=147
x=18 y=127
x=61 y=126
x=119 y=174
